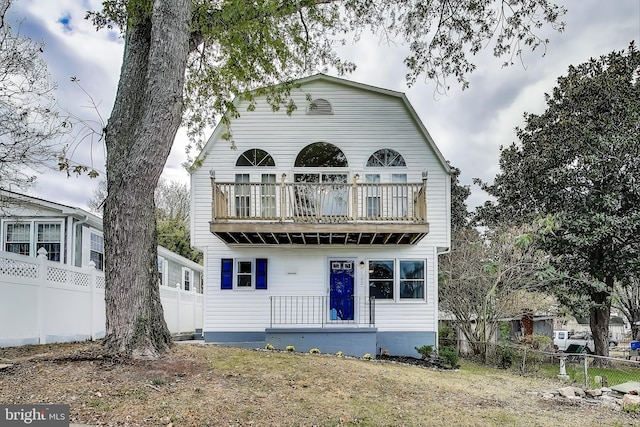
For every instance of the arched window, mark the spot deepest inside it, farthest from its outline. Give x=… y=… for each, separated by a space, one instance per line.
x=255 y=157
x=320 y=155
x=320 y=106
x=386 y=157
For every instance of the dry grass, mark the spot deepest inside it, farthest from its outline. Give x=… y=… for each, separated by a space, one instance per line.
x=198 y=385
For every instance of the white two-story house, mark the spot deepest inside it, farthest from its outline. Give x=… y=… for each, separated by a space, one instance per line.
x=322 y=229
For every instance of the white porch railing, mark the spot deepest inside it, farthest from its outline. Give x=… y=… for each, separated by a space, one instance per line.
x=43 y=301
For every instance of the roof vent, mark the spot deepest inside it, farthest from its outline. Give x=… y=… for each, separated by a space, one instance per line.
x=320 y=106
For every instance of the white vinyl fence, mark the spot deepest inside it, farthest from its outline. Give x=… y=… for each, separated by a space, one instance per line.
x=43 y=301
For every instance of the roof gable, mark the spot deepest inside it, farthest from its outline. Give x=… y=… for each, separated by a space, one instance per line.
x=218 y=131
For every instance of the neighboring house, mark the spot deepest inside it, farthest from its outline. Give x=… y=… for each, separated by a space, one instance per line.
x=73 y=236
x=322 y=229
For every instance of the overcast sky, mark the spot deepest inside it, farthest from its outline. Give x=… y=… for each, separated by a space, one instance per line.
x=468 y=126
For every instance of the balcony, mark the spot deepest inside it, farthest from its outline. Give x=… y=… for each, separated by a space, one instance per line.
x=305 y=213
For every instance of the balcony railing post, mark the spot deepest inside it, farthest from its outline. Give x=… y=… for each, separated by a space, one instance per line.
x=212 y=175
x=425 y=175
x=283 y=195
x=354 y=197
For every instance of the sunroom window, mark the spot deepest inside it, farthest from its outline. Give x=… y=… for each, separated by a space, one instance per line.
x=27 y=237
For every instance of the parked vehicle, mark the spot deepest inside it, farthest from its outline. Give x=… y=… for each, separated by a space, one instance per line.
x=563 y=339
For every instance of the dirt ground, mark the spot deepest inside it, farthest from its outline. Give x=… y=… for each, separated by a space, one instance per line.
x=205 y=385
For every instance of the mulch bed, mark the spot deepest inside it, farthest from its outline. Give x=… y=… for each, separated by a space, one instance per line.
x=430 y=362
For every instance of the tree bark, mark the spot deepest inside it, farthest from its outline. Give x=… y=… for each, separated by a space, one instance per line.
x=139 y=135
x=599 y=317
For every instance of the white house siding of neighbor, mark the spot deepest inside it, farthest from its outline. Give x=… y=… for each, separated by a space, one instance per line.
x=322 y=229
x=58 y=295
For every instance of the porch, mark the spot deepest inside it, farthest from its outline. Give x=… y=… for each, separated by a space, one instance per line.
x=330 y=324
x=312 y=213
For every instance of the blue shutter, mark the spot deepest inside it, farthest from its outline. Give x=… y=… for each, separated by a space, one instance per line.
x=261 y=273
x=226 y=277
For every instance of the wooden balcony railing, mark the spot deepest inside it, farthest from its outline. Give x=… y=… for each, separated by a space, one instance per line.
x=319 y=202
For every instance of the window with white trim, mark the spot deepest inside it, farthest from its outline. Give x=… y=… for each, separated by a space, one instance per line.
x=18 y=238
x=242 y=194
x=373 y=195
x=396 y=280
x=386 y=158
x=187 y=277
x=412 y=279
x=381 y=281
x=96 y=251
x=162 y=269
x=243 y=273
x=26 y=237
x=268 y=195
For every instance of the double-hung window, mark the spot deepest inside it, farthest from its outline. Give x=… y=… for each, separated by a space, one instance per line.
x=243 y=195
x=187 y=277
x=243 y=273
x=381 y=281
x=268 y=195
x=373 y=195
x=397 y=279
x=27 y=237
x=399 y=195
x=49 y=237
x=96 y=251
x=18 y=239
x=162 y=268
x=412 y=279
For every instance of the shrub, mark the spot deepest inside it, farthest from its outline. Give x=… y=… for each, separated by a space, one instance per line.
x=269 y=346
x=290 y=348
x=339 y=354
x=506 y=357
x=367 y=356
x=538 y=342
x=446 y=336
x=314 y=351
x=425 y=350
x=450 y=356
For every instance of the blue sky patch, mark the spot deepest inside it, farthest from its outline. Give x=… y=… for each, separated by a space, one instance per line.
x=65 y=20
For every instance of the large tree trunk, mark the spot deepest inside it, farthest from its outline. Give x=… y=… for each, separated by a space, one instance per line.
x=599 y=317
x=139 y=135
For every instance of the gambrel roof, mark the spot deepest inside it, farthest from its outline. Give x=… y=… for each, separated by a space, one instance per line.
x=361 y=86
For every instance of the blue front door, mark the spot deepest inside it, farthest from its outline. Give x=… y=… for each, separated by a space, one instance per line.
x=341 y=289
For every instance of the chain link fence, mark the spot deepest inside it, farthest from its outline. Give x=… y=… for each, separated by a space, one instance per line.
x=581 y=369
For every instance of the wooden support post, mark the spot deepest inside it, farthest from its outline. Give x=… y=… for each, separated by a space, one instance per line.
x=283 y=197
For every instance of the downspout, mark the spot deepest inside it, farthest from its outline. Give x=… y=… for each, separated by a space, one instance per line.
x=439 y=251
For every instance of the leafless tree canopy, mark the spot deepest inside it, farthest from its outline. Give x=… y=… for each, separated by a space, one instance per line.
x=30 y=126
